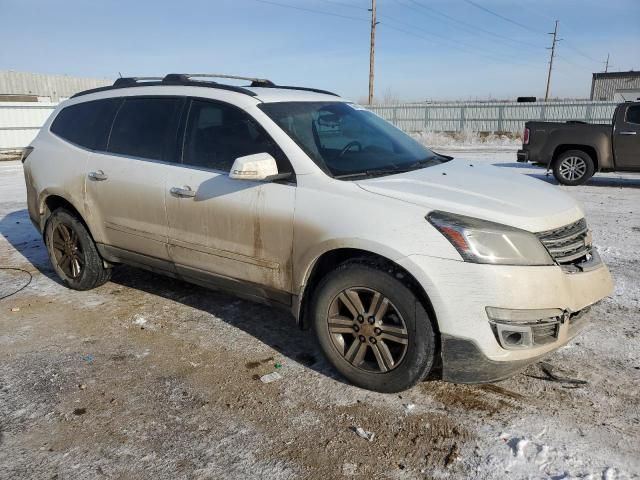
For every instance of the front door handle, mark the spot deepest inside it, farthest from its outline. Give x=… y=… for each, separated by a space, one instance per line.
x=97 y=176
x=185 y=192
x=628 y=133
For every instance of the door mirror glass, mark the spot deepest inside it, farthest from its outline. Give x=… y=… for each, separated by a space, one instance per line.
x=259 y=166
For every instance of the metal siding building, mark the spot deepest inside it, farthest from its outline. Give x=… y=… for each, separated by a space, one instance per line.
x=46 y=87
x=604 y=86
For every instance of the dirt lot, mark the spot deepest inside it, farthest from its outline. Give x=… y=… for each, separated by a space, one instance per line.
x=147 y=377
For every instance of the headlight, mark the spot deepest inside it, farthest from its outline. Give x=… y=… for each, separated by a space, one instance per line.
x=480 y=241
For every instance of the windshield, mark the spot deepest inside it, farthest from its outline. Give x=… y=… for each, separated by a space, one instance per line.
x=347 y=141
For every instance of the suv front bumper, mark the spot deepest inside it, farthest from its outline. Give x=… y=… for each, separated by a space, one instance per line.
x=460 y=292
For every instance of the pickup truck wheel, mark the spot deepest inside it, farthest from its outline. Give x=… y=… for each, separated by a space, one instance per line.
x=573 y=167
x=372 y=328
x=73 y=253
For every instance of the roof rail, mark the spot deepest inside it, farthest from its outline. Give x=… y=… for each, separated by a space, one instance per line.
x=192 y=79
x=305 y=89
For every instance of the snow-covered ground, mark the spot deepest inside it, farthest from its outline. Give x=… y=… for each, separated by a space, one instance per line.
x=151 y=377
x=469 y=141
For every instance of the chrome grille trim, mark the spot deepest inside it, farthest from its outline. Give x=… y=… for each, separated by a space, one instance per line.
x=569 y=243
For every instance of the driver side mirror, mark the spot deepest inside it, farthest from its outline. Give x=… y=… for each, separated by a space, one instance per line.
x=259 y=166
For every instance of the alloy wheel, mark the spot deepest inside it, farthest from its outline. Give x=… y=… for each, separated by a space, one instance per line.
x=573 y=168
x=67 y=250
x=367 y=329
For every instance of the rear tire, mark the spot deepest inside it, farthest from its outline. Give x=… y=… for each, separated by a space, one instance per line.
x=73 y=253
x=573 y=167
x=372 y=328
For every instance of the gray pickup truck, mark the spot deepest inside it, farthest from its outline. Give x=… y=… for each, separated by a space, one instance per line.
x=576 y=150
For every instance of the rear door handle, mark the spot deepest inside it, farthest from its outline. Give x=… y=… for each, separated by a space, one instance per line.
x=628 y=133
x=184 y=192
x=98 y=176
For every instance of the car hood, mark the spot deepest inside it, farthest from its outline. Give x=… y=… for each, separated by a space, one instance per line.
x=481 y=191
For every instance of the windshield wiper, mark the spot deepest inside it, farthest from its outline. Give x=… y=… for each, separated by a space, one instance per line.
x=428 y=162
x=375 y=173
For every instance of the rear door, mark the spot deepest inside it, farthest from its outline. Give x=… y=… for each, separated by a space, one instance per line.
x=627 y=138
x=234 y=229
x=125 y=184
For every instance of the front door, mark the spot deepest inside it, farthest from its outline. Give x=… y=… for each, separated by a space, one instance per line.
x=627 y=139
x=125 y=184
x=234 y=229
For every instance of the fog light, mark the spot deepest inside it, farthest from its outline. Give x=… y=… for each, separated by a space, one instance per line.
x=518 y=329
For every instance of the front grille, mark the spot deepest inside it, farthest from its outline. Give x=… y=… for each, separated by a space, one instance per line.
x=569 y=244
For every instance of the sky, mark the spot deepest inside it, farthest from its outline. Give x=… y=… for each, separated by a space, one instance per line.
x=425 y=49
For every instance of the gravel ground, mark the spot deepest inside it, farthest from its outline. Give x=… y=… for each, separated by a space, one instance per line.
x=148 y=377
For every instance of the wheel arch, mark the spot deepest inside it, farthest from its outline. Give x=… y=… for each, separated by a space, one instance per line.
x=50 y=201
x=588 y=149
x=330 y=259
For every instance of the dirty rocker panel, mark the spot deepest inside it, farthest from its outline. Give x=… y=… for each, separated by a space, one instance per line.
x=243 y=289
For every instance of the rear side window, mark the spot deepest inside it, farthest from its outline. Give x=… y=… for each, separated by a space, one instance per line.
x=86 y=124
x=217 y=134
x=633 y=114
x=146 y=128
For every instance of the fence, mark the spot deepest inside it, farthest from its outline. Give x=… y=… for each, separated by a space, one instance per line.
x=19 y=122
x=490 y=117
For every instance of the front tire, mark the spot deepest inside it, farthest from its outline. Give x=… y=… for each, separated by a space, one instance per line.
x=73 y=253
x=573 y=167
x=373 y=329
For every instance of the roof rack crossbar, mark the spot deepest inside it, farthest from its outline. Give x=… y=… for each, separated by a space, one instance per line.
x=184 y=79
x=122 y=81
x=254 y=81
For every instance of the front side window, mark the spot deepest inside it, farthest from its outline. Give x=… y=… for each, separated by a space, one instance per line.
x=633 y=114
x=348 y=141
x=217 y=134
x=146 y=128
x=86 y=124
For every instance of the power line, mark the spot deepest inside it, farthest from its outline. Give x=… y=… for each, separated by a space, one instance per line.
x=526 y=27
x=462 y=49
x=584 y=55
x=495 y=14
x=572 y=63
x=457 y=44
x=346 y=5
x=451 y=45
x=470 y=26
x=311 y=10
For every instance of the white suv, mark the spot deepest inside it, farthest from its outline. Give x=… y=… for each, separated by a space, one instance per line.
x=407 y=263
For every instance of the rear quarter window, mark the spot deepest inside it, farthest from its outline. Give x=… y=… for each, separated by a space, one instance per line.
x=86 y=124
x=146 y=127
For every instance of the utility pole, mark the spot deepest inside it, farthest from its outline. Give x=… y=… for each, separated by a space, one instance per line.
x=606 y=66
x=372 y=49
x=553 y=54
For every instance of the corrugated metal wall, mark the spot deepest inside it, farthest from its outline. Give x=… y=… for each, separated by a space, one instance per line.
x=19 y=122
x=604 y=86
x=490 y=117
x=55 y=87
